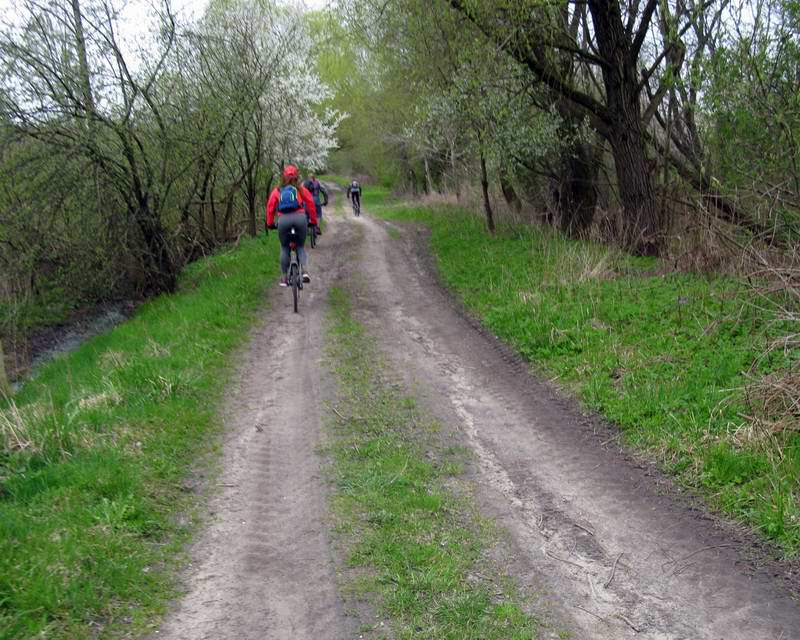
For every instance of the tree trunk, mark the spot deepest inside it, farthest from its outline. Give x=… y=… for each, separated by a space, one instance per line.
x=83 y=62
x=577 y=195
x=251 y=208
x=641 y=227
x=454 y=170
x=509 y=193
x=214 y=230
x=428 y=179
x=5 y=388
x=229 y=202
x=161 y=271
x=252 y=194
x=487 y=205
x=412 y=178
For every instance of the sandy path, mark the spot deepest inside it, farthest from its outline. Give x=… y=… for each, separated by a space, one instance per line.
x=571 y=506
x=263 y=568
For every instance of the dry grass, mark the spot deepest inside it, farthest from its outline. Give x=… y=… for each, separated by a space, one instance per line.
x=15 y=432
x=580 y=263
x=773 y=393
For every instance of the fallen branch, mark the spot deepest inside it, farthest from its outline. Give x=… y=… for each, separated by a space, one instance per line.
x=613 y=572
x=555 y=557
x=694 y=553
x=577 y=606
x=629 y=623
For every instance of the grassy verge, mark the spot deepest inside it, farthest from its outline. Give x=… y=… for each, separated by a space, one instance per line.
x=403 y=525
x=663 y=356
x=342 y=181
x=94 y=454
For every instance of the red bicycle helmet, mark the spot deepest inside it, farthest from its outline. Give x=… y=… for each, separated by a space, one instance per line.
x=291 y=172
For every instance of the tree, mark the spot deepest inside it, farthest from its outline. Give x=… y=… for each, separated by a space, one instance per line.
x=201 y=107
x=5 y=388
x=536 y=33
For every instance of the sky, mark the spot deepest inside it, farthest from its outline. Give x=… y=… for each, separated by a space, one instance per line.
x=137 y=13
x=197 y=6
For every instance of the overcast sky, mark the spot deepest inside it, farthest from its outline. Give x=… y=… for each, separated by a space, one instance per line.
x=197 y=6
x=137 y=13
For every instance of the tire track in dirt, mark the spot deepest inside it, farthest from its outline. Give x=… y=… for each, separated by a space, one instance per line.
x=590 y=532
x=263 y=568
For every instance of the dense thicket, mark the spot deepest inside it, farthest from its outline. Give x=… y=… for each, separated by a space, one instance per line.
x=121 y=159
x=657 y=112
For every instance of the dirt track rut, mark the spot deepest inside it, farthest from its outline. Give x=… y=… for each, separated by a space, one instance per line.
x=576 y=512
x=606 y=554
x=263 y=569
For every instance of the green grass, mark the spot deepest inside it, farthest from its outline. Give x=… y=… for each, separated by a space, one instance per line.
x=95 y=451
x=662 y=356
x=342 y=181
x=423 y=549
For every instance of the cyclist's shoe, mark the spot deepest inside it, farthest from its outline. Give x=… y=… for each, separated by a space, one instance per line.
x=319 y=231
x=284 y=282
x=306 y=277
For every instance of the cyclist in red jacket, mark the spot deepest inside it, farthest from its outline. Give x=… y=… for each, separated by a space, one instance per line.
x=291 y=206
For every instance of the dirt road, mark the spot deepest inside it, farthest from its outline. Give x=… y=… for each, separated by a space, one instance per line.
x=263 y=569
x=590 y=532
x=589 y=528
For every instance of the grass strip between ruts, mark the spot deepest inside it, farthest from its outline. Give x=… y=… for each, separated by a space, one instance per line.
x=96 y=449
x=662 y=354
x=422 y=547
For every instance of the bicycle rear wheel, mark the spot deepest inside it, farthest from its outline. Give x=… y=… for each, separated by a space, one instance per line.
x=294 y=283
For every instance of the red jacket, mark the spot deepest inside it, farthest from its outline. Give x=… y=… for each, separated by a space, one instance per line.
x=306 y=198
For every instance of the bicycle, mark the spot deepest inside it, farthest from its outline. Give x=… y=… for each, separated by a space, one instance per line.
x=356 y=207
x=295 y=277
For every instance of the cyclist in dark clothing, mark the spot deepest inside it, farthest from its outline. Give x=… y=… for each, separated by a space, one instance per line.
x=354 y=194
x=320 y=195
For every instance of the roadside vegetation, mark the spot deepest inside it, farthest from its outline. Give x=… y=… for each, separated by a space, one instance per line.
x=635 y=166
x=97 y=454
x=418 y=547
x=131 y=146
x=635 y=122
x=667 y=356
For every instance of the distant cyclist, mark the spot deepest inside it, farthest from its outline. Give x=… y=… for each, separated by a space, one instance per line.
x=354 y=194
x=320 y=195
x=291 y=207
